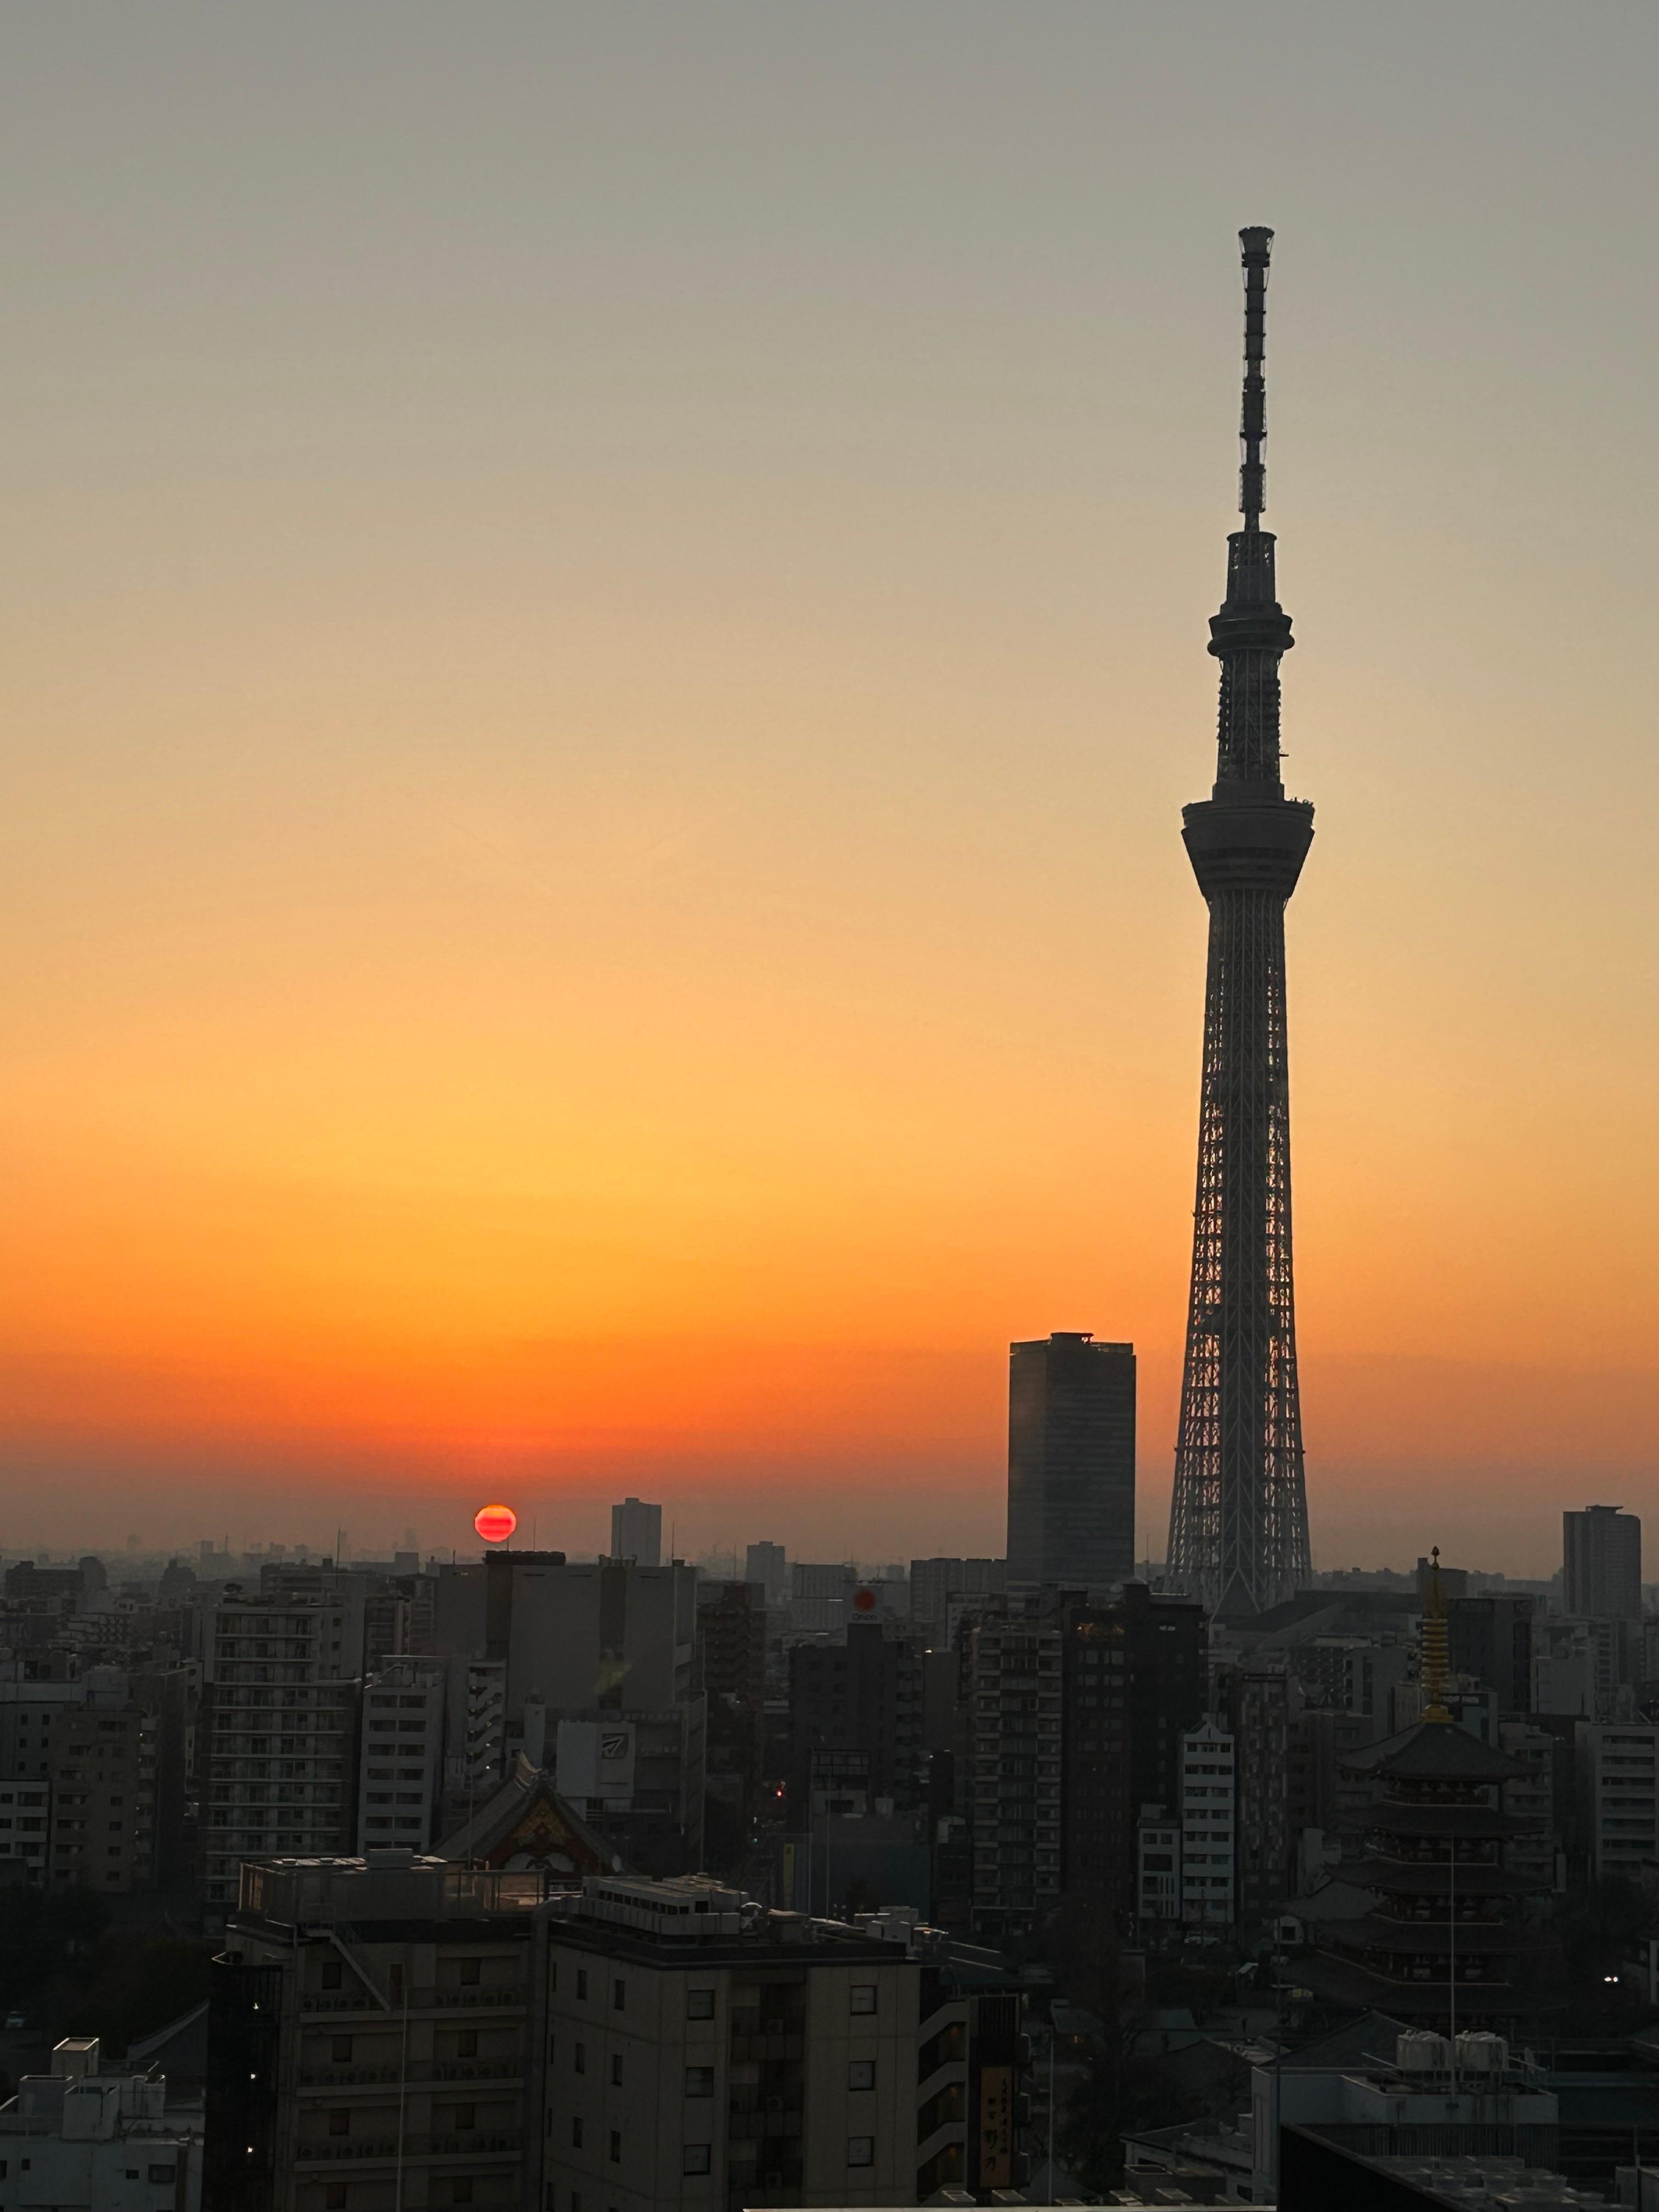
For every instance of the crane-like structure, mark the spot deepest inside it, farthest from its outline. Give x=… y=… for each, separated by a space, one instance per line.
x=1238 y=1521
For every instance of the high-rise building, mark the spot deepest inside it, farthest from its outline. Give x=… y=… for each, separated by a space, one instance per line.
x=1602 y=1556
x=865 y=1695
x=279 y=1718
x=765 y=1564
x=1238 y=1522
x=636 y=1533
x=1208 y=1828
x=941 y=1590
x=1013 y=1790
x=1134 y=1680
x=1071 y=1464
x=401 y=1765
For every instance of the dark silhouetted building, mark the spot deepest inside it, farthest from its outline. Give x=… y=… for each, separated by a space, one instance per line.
x=863 y=1697
x=1602 y=1553
x=1071 y=1465
x=1132 y=1682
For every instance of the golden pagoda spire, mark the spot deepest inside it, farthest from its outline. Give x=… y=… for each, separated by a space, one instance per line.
x=1436 y=1656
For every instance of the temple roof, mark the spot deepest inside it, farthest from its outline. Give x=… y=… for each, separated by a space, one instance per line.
x=1432 y=1751
x=1435 y=1878
x=1385 y=1817
x=525 y=1825
x=1420 y=1938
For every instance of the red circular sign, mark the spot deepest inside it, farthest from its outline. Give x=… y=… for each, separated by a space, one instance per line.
x=865 y=1601
x=495 y=1523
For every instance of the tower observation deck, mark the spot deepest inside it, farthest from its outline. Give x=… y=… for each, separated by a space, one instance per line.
x=1238 y=1521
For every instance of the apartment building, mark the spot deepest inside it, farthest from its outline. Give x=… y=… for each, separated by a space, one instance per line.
x=279 y=1736
x=401 y=1765
x=1619 y=1787
x=701 y=2052
x=367 y=2037
x=1208 y=1826
x=104 y=1760
x=1015 y=1737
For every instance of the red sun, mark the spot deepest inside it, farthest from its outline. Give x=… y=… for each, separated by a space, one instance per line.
x=495 y=1523
x=865 y=1601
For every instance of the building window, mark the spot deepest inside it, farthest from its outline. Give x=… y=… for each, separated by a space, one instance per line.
x=575 y=2134
x=700 y=2004
x=618 y=1996
x=579 y=2058
x=334 y=2196
x=860 y=2150
x=164 y=2173
x=467 y=2042
x=341 y=2050
x=460 y=2190
x=861 y=2074
x=472 y=1972
x=332 y=1971
x=699 y=2081
x=616 y=2148
x=698 y=2159
x=581 y=1981
x=616 y=2070
x=864 y=1997
x=339 y=2123
x=466 y=2115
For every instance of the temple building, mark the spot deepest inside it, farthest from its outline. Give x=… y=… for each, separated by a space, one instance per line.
x=1439 y=1944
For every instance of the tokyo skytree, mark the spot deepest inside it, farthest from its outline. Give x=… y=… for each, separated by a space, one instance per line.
x=1238 y=1521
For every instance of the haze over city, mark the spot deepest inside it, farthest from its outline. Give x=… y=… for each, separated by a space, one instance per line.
x=604 y=642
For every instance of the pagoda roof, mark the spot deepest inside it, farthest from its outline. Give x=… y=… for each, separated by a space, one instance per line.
x=1387 y=1817
x=525 y=1825
x=1435 y=1878
x=1421 y=1938
x=1432 y=1751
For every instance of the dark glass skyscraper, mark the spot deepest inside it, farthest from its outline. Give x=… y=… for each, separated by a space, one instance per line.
x=1238 y=1522
x=1071 y=1464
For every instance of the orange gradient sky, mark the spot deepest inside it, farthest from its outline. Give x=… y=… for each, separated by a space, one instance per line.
x=604 y=620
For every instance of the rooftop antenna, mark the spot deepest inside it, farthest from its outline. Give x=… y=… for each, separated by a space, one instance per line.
x=1255 y=250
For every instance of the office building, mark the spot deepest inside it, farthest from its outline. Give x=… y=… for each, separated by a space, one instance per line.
x=1071 y=1465
x=942 y=1591
x=636 y=1533
x=731 y=1661
x=368 y=2043
x=701 y=2052
x=864 y=1696
x=81 y=2137
x=1601 y=1551
x=1491 y=1642
x=278 y=1731
x=765 y=1564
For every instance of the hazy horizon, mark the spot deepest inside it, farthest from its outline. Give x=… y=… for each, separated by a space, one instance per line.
x=605 y=631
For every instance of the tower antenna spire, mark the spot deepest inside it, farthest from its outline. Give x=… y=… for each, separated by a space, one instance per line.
x=1255 y=251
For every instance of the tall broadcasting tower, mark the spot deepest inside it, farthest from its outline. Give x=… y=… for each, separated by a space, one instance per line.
x=1238 y=1522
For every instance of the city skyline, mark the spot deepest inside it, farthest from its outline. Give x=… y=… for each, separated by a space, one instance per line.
x=590 y=904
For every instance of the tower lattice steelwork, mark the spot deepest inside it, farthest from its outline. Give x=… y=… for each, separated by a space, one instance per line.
x=1238 y=1523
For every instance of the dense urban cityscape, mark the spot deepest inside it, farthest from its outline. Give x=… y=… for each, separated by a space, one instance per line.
x=951 y=1874
x=1112 y=1867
